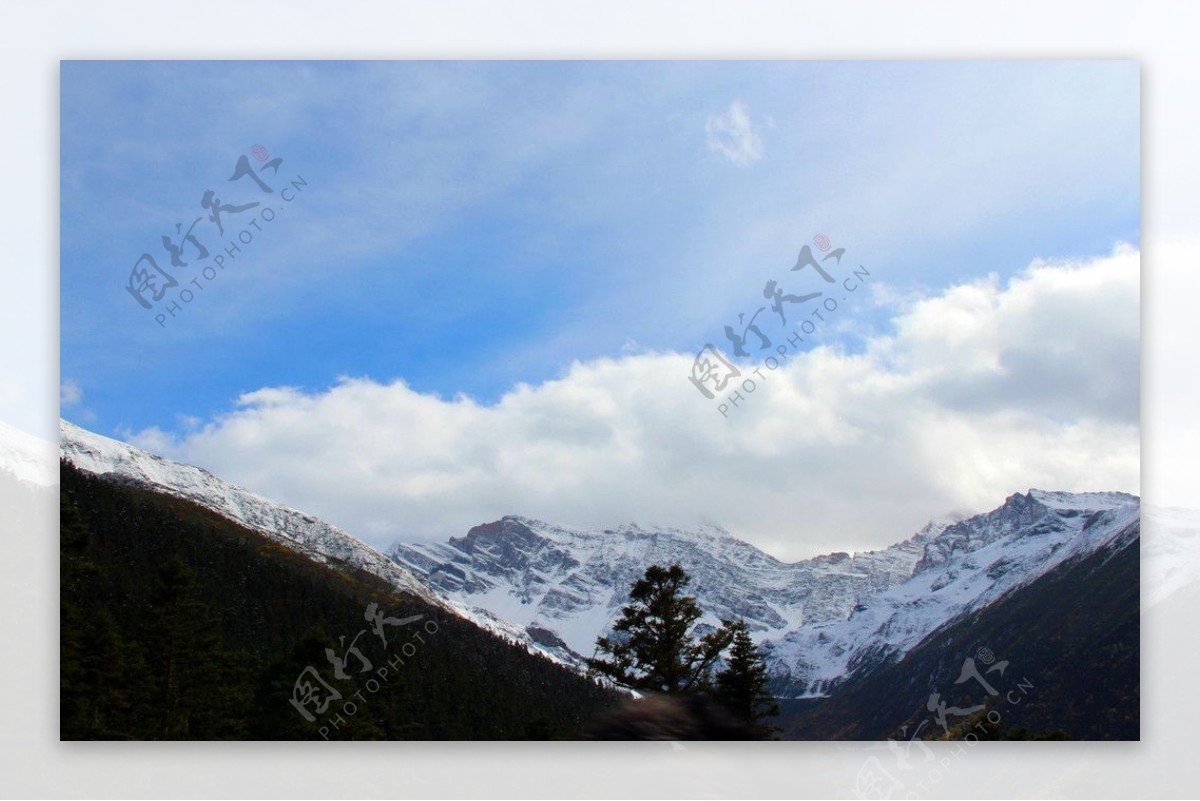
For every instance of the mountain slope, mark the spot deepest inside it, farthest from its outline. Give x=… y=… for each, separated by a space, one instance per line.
x=120 y=462
x=966 y=567
x=180 y=623
x=1071 y=641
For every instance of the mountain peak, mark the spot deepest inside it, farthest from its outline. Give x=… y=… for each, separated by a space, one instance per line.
x=1031 y=513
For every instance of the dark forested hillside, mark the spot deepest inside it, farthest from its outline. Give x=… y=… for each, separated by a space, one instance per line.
x=1071 y=643
x=179 y=624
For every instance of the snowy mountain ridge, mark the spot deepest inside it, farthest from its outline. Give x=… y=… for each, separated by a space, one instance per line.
x=820 y=621
x=572 y=582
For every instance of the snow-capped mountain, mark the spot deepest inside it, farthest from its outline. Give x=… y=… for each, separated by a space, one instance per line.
x=571 y=584
x=118 y=461
x=820 y=621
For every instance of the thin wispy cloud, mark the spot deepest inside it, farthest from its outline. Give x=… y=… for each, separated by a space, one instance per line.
x=734 y=135
x=69 y=394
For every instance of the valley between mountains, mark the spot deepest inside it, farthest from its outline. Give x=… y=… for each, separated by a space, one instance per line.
x=856 y=645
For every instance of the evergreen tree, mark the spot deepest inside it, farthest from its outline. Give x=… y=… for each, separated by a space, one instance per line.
x=742 y=684
x=652 y=647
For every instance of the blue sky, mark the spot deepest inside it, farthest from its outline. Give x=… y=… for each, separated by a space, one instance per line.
x=466 y=234
x=468 y=226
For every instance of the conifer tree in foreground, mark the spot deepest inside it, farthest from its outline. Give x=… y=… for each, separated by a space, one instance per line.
x=742 y=684
x=652 y=647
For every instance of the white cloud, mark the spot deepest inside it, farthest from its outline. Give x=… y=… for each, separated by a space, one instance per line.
x=734 y=136
x=69 y=394
x=982 y=390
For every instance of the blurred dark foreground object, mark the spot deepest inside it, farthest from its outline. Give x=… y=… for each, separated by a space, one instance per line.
x=669 y=717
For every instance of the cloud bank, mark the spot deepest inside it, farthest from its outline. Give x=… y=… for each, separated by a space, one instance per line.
x=981 y=390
